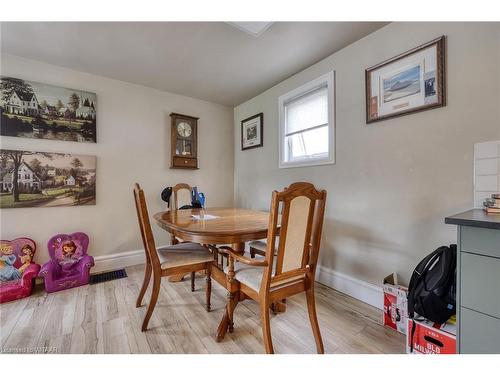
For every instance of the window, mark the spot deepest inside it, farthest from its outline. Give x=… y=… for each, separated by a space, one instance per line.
x=307 y=124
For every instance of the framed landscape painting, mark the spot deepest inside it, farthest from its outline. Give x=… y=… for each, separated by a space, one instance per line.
x=37 y=110
x=252 y=132
x=411 y=82
x=46 y=179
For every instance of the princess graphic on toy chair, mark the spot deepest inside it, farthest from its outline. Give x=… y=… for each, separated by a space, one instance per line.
x=7 y=259
x=17 y=269
x=68 y=252
x=28 y=253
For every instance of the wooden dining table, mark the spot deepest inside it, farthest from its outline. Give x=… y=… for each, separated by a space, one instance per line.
x=217 y=226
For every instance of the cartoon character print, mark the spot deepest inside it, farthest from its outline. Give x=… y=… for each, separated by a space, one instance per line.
x=26 y=257
x=67 y=253
x=7 y=259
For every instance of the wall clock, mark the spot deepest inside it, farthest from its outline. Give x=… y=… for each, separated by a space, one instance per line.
x=184 y=147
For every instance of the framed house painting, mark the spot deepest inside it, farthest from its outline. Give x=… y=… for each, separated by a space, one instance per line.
x=411 y=82
x=46 y=179
x=252 y=134
x=38 y=110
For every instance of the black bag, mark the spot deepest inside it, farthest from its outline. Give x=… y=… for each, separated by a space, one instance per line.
x=166 y=194
x=432 y=290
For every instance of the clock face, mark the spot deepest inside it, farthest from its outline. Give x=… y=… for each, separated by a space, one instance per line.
x=184 y=129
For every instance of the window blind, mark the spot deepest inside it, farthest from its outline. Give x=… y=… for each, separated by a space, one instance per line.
x=307 y=111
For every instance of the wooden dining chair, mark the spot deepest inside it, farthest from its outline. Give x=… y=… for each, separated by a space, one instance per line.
x=181 y=196
x=271 y=279
x=171 y=260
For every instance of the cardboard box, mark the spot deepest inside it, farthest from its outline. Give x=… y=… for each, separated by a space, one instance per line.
x=395 y=304
x=432 y=338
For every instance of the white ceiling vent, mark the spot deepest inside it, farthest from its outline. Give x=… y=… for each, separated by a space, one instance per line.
x=252 y=28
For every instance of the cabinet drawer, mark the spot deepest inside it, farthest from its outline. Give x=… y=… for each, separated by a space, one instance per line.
x=480 y=283
x=479 y=333
x=480 y=241
x=179 y=162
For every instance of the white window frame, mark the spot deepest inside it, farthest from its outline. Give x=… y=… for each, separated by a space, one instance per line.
x=329 y=80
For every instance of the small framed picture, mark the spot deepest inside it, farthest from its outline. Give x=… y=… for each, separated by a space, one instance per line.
x=411 y=82
x=252 y=134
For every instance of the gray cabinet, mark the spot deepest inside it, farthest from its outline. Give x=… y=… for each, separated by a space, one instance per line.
x=479 y=333
x=478 y=282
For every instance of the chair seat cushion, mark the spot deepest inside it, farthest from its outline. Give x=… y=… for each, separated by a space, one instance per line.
x=251 y=276
x=182 y=254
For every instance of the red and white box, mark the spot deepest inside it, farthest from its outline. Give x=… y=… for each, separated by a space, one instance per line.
x=432 y=338
x=395 y=304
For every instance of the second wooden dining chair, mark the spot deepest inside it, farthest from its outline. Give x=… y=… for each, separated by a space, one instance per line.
x=171 y=260
x=181 y=196
x=273 y=278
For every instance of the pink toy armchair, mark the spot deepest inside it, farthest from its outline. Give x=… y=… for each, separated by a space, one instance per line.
x=69 y=265
x=17 y=270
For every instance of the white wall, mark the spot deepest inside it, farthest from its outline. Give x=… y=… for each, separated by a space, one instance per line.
x=394 y=181
x=133 y=145
x=486 y=171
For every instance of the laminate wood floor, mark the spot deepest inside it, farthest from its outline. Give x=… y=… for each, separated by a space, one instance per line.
x=102 y=318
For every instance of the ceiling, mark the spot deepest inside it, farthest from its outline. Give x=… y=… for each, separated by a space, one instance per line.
x=214 y=61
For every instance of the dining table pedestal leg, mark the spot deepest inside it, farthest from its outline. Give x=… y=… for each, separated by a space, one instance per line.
x=227 y=319
x=231 y=305
x=227 y=323
x=222 y=328
x=232 y=297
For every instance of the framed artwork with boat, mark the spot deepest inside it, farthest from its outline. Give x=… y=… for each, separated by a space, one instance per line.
x=38 y=110
x=410 y=82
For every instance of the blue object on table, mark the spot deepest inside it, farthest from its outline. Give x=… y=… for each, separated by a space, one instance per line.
x=201 y=199
x=197 y=199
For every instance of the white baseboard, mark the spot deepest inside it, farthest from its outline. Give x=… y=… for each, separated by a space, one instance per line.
x=366 y=292
x=359 y=289
x=119 y=260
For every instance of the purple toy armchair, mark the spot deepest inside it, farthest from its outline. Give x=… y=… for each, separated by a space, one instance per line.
x=69 y=265
x=17 y=271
